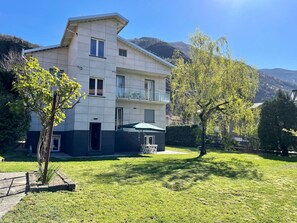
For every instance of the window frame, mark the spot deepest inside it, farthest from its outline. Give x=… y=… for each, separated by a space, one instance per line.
x=149 y=93
x=120 y=91
x=96 y=85
x=58 y=137
x=154 y=120
x=117 y=111
x=97 y=47
x=124 y=54
x=146 y=139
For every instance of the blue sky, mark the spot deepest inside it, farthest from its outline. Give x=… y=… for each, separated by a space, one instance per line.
x=261 y=32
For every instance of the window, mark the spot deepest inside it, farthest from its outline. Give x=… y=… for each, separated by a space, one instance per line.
x=149 y=116
x=149 y=87
x=123 y=52
x=97 y=48
x=96 y=87
x=52 y=71
x=56 y=143
x=149 y=140
x=118 y=117
x=120 y=86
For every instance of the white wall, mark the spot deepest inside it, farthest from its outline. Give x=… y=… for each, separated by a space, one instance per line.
x=134 y=112
x=136 y=60
x=48 y=58
x=94 y=108
x=76 y=61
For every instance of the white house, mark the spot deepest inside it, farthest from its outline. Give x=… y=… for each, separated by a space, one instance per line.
x=124 y=84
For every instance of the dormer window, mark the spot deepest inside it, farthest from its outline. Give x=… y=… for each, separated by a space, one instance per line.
x=97 y=48
x=123 y=52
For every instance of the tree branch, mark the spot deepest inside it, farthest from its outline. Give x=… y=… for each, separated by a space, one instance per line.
x=217 y=107
x=78 y=101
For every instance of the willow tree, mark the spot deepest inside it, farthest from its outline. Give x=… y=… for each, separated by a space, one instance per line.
x=48 y=94
x=212 y=82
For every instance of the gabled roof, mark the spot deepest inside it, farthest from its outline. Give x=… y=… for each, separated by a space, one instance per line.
x=72 y=24
x=70 y=30
x=140 y=49
x=42 y=48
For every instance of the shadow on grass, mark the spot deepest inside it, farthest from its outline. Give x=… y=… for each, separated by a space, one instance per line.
x=265 y=155
x=178 y=174
x=17 y=156
x=22 y=157
x=98 y=158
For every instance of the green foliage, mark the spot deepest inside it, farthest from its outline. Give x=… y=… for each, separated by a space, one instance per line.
x=212 y=83
x=277 y=115
x=267 y=83
x=182 y=135
x=222 y=187
x=36 y=86
x=52 y=171
x=38 y=89
x=14 y=120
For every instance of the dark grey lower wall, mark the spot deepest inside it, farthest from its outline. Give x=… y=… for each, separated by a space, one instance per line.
x=32 y=140
x=131 y=141
x=76 y=143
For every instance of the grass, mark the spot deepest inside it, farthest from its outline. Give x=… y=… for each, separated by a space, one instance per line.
x=220 y=187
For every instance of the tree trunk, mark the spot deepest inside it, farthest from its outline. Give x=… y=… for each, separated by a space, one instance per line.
x=40 y=149
x=203 y=134
x=49 y=139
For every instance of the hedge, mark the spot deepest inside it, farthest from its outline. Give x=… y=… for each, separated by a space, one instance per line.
x=181 y=136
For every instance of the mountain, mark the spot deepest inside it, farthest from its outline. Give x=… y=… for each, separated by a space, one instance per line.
x=270 y=85
x=158 y=47
x=270 y=79
x=282 y=74
x=183 y=47
x=12 y=43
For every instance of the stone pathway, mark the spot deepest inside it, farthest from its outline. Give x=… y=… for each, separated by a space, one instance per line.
x=12 y=190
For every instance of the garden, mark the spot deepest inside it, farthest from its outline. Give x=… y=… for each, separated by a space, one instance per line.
x=221 y=187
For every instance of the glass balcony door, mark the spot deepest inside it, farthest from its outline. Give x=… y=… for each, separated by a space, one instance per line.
x=149 y=87
x=120 y=86
x=118 y=117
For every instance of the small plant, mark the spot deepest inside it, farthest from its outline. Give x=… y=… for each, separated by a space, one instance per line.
x=52 y=170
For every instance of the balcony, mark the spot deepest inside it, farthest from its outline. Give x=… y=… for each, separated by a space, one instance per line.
x=142 y=95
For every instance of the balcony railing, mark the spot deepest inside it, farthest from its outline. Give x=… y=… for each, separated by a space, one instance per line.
x=138 y=94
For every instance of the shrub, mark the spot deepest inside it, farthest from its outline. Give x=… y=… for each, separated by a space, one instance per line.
x=182 y=135
x=276 y=116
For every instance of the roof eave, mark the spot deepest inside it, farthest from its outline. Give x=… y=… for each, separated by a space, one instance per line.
x=80 y=19
x=42 y=48
x=155 y=57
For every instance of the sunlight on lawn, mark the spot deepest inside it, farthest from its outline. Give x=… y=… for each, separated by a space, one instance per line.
x=220 y=187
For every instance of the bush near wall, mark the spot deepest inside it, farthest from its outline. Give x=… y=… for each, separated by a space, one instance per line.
x=182 y=136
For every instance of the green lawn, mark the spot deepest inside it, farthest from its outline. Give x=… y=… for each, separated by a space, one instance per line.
x=220 y=187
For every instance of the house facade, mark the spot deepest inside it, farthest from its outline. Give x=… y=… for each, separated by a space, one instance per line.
x=123 y=83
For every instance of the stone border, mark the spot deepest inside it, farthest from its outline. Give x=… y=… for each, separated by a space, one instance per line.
x=67 y=185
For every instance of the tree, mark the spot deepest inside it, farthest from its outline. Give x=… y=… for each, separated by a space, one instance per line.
x=14 y=122
x=212 y=82
x=48 y=95
x=278 y=115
